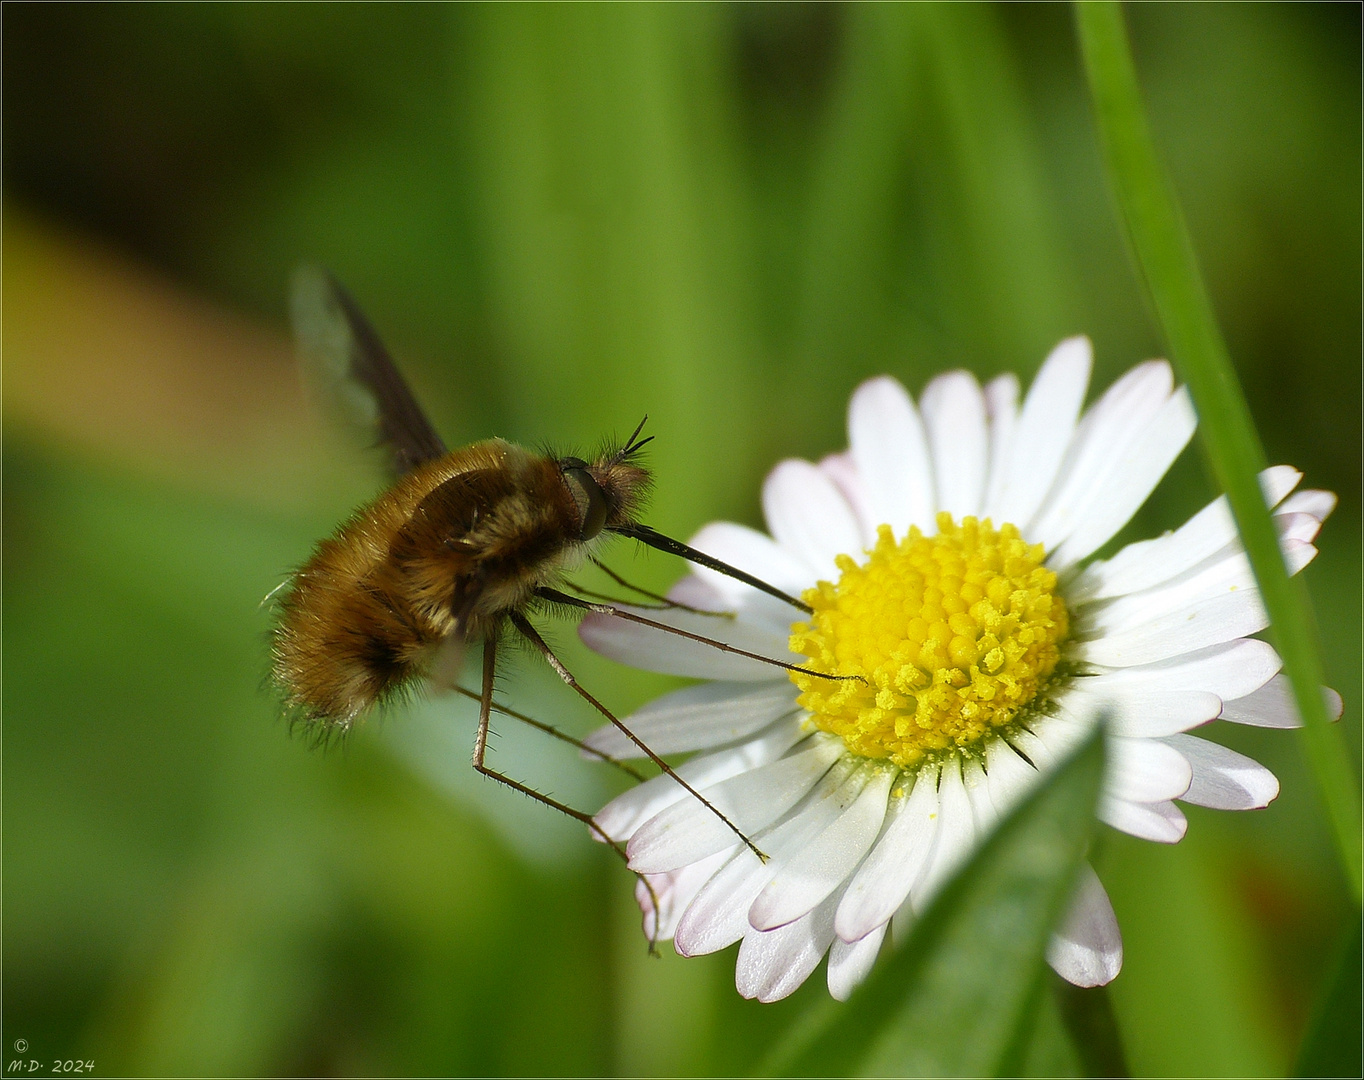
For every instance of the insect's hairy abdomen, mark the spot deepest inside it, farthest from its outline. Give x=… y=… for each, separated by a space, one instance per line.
x=448 y=550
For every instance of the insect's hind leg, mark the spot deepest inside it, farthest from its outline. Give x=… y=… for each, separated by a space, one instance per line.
x=485 y=707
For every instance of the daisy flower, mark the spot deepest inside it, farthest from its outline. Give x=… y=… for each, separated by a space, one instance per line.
x=943 y=557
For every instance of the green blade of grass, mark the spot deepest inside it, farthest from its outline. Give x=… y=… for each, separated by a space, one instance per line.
x=951 y=1001
x=1169 y=269
x=1331 y=1046
x=1088 y=1015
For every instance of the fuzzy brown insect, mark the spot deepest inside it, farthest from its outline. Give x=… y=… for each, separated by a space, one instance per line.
x=460 y=548
x=446 y=555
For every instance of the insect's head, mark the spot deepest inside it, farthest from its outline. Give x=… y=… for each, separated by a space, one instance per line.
x=608 y=491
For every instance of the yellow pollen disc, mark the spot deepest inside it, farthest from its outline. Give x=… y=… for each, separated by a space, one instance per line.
x=951 y=636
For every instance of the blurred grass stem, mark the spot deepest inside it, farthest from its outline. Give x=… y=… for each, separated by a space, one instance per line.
x=1169 y=269
x=1088 y=1015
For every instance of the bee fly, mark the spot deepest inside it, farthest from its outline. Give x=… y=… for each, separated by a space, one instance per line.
x=459 y=550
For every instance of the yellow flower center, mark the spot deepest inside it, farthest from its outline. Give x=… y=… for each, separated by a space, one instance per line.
x=951 y=636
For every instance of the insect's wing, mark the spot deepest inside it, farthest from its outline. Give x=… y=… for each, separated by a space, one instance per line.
x=343 y=355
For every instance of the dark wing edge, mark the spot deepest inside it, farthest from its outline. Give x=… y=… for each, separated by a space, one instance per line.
x=341 y=350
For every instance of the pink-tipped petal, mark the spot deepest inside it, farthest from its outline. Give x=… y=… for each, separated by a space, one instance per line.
x=851 y=961
x=1086 y=950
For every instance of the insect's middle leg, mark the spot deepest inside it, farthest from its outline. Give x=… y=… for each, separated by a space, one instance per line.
x=485 y=708
x=551 y=730
x=533 y=636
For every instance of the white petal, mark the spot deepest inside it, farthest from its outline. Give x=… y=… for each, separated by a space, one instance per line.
x=1158 y=821
x=1010 y=777
x=851 y=962
x=675 y=891
x=1145 y=771
x=1134 y=474
x=695 y=591
x=760 y=556
x=1277 y=481
x=887 y=874
x=886 y=439
x=1224 y=779
x=1312 y=501
x=688 y=830
x=1087 y=948
x=823 y=865
x=1150 y=562
x=954 y=418
x=1207 y=622
x=1001 y=406
x=1058 y=735
x=995 y=785
x=1230 y=670
x=1149 y=713
x=772 y=964
x=698 y=718
x=1108 y=428
x=809 y=517
x=1297 y=556
x=750 y=551
x=718 y=916
x=983 y=811
x=1273 y=706
x=669 y=654
x=1300 y=527
x=1035 y=749
x=842 y=470
x=955 y=840
x=626 y=812
x=1228 y=571
x=765 y=612
x=1203 y=583
x=1044 y=431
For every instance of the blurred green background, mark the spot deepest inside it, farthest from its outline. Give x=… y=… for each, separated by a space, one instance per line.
x=562 y=218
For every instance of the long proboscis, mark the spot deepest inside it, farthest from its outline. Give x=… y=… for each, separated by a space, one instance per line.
x=655 y=539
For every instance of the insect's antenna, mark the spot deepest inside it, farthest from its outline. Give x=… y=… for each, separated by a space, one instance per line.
x=630 y=445
x=654 y=539
x=554 y=596
x=661 y=603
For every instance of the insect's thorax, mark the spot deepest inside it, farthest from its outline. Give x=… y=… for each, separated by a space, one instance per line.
x=480 y=541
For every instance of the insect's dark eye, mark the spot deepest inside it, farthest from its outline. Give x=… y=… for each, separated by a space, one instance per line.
x=587 y=493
